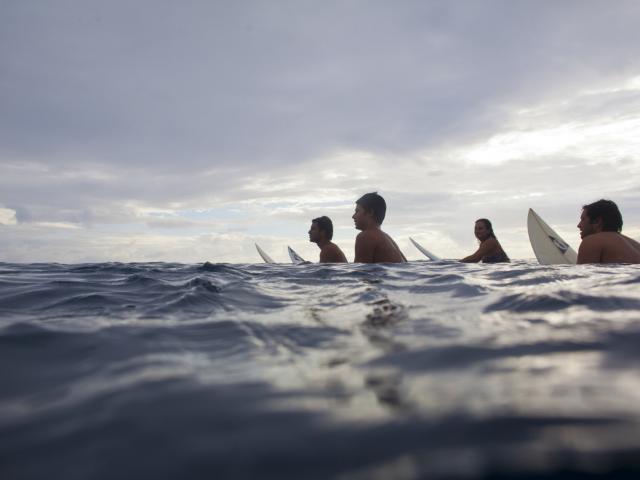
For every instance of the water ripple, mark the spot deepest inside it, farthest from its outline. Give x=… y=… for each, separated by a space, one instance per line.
x=319 y=371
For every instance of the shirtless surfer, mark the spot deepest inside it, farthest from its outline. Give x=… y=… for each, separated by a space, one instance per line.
x=372 y=244
x=600 y=226
x=321 y=233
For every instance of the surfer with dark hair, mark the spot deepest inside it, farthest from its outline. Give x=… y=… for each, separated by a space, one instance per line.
x=321 y=233
x=372 y=244
x=490 y=250
x=600 y=226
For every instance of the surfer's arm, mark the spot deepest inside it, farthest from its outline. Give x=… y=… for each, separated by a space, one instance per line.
x=404 y=259
x=326 y=256
x=365 y=249
x=332 y=254
x=590 y=251
x=633 y=242
x=473 y=258
x=485 y=248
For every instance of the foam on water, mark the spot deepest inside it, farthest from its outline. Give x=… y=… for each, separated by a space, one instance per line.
x=429 y=369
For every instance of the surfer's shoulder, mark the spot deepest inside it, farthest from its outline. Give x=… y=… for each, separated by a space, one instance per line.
x=490 y=243
x=632 y=242
x=368 y=235
x=332 y=253
x=590 y=250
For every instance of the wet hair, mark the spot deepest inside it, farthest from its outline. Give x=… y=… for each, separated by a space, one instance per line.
x=607 y=211
x=324 y=223
x=488 y=226
x=374 y=203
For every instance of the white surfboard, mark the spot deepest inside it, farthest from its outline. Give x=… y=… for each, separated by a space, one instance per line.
x=295 y=258
x=424 y=251
x=548 y=246
x=264 y=255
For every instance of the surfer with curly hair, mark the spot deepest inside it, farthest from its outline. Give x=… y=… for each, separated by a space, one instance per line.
x=321 y=233
x=372 y=244
x=490 y=250
x=600 y=226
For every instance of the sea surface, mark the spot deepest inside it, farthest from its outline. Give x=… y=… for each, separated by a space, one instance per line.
x=422 y=370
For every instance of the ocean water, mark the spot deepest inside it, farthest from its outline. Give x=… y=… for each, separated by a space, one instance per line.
x=423 y=370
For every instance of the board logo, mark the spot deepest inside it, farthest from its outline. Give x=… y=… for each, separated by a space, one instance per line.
x=560 y=245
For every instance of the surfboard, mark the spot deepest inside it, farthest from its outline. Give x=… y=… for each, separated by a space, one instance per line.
x=424 y=251
x=264 y=255
x=549 y=247
x=295 y=258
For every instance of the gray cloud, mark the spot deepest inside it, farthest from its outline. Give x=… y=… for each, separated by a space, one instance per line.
x=177 y=86
x=111 y=111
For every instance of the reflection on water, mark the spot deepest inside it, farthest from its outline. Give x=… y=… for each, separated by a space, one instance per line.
x=429 y=369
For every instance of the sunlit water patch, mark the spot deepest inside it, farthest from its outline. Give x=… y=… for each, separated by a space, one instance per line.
x=423 y=370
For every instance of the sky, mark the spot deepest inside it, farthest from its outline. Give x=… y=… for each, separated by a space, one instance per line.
x=188 y=131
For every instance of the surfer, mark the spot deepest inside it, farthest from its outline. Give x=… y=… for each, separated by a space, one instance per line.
x=490 y=250
x=321 y=233
x=600 y=226
x=372 y=244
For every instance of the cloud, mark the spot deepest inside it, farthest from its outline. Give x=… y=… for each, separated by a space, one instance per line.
x=42 y=243
x=156 y=121
x=257 y=83
x=7 y=216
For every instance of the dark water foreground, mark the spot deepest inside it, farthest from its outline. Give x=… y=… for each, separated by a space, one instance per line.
x=426 y=370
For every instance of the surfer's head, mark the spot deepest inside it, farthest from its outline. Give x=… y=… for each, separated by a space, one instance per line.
x=321 y=227
x=483 y=229
x=370 y=206
x=600 y=216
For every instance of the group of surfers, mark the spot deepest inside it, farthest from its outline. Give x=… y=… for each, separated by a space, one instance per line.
x=600 y=226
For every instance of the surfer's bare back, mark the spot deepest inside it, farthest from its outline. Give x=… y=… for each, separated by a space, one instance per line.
x=600 y=226
x=372 y=244
x=321 y=233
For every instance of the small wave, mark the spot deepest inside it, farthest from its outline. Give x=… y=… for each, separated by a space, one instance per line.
x=187 y=303
x=141 y=280
x=462 y=356
x=468 y=290
x=293 y=338
x=548 y=302
x=224 y=270
x=274 y=371
x=622 y=351
x=86 y=300
x=515 y=272
x=446 y=279
x=199 y=283
x=633 y=280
